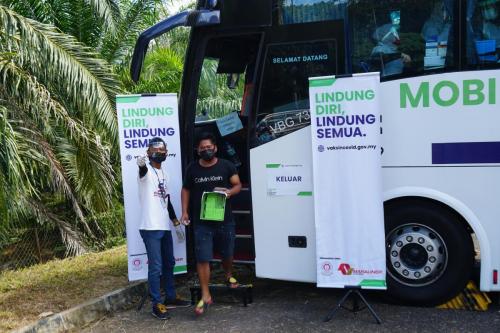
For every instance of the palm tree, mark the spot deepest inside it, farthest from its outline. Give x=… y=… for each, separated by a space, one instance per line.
x=53 y=119
x=58 y=130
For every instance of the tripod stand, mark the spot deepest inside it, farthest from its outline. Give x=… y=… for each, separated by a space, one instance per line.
x=356 y=295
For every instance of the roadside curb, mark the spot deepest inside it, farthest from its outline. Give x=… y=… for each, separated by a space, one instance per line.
x=87 y=312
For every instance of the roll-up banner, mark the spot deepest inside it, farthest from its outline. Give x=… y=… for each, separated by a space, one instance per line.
x=141 y=118
x=347 y=181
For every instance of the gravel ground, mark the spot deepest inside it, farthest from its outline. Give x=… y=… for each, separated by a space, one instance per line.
x=295 y=307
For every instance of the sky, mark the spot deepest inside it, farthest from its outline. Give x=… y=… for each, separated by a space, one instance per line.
x=175 y=5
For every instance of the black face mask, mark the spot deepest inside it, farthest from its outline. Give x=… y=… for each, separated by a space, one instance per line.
x=207 y=155
x=158 y=157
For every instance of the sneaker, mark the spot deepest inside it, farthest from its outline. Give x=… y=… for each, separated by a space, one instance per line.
x=177 y=303
x=160 y=311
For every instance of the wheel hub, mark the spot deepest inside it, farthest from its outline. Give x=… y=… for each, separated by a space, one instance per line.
x=414 y=256
x=417 y=254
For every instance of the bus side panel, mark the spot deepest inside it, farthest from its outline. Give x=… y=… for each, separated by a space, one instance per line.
x=277 y=217
x=408 y=137
x=473 y=192
x=442 y=119
x=442 y=133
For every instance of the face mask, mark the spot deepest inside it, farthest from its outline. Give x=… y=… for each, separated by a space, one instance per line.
x=158 y=157
x=490 y=13
x=207 y=155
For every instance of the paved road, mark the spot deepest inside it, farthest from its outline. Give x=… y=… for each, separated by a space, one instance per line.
x=294 y=307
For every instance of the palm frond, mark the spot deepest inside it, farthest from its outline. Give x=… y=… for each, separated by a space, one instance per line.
x=71 y=237
x=33 y=98
x=217 y=107
x=86 y=78
x=138 y=15
x=12 y=166
x=35 y=9
x=88 y=166
x=109 y=11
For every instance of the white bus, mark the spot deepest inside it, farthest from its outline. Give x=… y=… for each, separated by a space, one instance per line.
x=440 y=83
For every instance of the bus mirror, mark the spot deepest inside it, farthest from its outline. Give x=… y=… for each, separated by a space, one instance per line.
x=232 y=80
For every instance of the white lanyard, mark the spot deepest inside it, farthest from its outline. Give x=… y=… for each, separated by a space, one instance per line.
x=161 y=186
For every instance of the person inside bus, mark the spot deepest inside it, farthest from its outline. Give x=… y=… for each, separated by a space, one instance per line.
x=209 y=174
x=436 y=32
x=438 y=26
x=482 y=24
x=491 y=23
x=387 y=48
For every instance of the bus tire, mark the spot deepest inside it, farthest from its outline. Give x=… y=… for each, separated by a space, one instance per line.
x=430 y=253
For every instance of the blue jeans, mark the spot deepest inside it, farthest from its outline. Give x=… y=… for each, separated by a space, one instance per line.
x=161 y=263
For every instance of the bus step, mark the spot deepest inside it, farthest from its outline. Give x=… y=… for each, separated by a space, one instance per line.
x=246 y=212
x=244 y=236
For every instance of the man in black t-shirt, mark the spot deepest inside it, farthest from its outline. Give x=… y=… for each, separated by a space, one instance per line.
x=207 y=174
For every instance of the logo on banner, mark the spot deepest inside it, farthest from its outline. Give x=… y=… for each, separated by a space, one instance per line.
x=345 y=269
x=137 y=264
x=321 y=148
x=327 y=268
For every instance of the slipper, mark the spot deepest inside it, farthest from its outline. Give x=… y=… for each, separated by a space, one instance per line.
x=202 y=307
x=232 y=283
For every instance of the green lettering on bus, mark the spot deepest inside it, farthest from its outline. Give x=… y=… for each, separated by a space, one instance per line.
x=437 y=96
x=473 y=88
x=422 y=93
x=491 y=91
x=474 y=93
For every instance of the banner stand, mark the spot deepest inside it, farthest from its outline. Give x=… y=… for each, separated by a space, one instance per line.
x=355 y=293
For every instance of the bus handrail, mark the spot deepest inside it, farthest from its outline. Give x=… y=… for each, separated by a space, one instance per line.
x=187 y=18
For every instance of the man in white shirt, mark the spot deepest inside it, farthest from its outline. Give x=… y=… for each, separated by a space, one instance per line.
x=156 y=211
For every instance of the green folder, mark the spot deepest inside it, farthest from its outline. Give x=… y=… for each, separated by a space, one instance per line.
x=213 y=206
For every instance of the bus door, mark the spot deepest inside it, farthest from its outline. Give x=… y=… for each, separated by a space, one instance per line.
x=224 y=98
x=280 y=154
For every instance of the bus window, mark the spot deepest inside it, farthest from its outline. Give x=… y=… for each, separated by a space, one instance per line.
x=401 y=38
x=284 y=97
x=483 y=33
x=303 y=11
x=215 y=99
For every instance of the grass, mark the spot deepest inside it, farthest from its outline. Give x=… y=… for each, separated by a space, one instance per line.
x=59 y=285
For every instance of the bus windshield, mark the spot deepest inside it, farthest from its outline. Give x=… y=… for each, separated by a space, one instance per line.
x=284 y=103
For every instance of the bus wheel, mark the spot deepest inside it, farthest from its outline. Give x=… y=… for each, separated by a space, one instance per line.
x=429 y=252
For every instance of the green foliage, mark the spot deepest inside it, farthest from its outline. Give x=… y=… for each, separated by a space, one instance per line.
x=58 y=128
x=112 y=226
x=214 y=97
x=162 y=72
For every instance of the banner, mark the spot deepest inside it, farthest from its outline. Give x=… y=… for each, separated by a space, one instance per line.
x=141 y=118
x=347 y=181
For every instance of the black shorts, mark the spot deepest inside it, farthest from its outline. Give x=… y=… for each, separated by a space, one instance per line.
x=205 y=235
